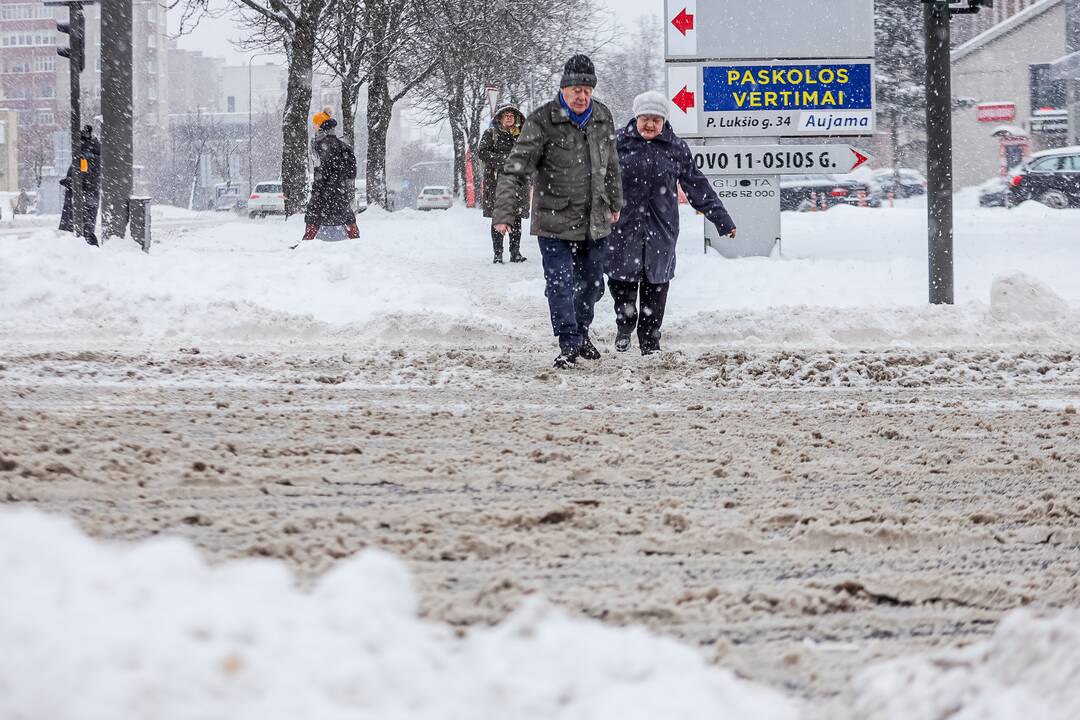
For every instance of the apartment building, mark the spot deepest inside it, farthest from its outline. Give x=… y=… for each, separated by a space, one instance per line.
x=34 y=80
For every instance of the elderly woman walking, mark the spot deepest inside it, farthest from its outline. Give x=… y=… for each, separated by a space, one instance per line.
x=494 y=149
x=641 y=248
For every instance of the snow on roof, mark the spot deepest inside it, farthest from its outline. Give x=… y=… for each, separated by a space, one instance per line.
x=1012 y=130
x=1003 y=28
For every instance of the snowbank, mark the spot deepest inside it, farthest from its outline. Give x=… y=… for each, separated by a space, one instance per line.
x=849 y=277
x=1030 y=669
x=148 y=630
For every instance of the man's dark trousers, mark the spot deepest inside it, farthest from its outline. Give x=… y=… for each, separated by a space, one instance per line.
x=574 y=274
x=651 y=318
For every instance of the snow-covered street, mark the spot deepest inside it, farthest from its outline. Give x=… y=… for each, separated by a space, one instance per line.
x=820 y=473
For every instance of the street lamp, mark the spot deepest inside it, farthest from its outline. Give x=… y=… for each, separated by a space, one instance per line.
x=251 y=186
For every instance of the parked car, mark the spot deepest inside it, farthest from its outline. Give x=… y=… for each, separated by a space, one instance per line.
x=994 y=192
x=435 y=197
x=910 y=183
x=267 y=198
x=227 y=202
x=805 y=192
x=1052 y=177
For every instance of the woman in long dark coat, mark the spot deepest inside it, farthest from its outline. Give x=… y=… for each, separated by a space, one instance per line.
x=641 y=248
x=333 y=189
x=494 y=148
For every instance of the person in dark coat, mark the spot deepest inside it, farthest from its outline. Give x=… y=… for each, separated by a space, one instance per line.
x=84 y=175
x=641 y=248
x=567 y=148
x=333 y=188
x=494 y=149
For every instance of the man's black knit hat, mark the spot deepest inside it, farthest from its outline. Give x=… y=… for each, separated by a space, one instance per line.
x=579 y=70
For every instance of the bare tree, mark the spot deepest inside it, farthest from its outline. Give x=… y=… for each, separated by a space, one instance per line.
x=293 y=27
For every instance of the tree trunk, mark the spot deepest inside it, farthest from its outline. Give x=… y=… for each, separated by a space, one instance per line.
x=894 y=141
x=455 y=108
x=380 y=112
x=294 y=152
x=349 y=93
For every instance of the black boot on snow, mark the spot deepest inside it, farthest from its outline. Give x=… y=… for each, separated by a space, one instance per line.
x=588 y=350
x=650 y=349
x=567 y=358
x=622 y=342
x=518 y=258
x=498 y=259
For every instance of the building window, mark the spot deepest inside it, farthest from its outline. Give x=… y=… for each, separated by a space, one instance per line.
x=46 y=118
x=47 y=91
x=1046 y=94
x=230 y=103
x=45 y=63
x=28 y=39
x=25 y=12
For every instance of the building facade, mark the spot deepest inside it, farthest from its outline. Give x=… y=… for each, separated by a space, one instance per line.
x=35 y=82
x=1011 y=105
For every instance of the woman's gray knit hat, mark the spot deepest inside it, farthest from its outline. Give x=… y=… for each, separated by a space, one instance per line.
x=651 y=103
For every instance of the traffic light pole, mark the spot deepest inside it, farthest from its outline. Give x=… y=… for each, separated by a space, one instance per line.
x=117 y=124
x=939 y=155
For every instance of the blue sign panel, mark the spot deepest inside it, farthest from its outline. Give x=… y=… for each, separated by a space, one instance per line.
x=788 y=87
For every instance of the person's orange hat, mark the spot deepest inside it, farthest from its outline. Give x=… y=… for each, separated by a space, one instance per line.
x=321 y=117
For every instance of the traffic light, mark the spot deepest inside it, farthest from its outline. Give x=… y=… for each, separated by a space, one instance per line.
x=75 y=29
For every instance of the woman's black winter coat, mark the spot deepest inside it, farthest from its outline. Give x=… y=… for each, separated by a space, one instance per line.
x=334 y=187
x=642 y=244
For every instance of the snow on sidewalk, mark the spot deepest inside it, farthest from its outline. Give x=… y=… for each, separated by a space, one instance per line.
x=848 y=277
x=149 y=630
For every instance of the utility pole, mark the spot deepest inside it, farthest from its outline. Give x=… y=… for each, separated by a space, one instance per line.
x=939 y=146
x=939 y=153
x=117 y=124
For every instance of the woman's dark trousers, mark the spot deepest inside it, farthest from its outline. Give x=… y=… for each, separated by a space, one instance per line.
x=515 y=240
x=649 y=321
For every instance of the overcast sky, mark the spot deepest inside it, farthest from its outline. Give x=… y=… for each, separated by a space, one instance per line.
x=214 y=37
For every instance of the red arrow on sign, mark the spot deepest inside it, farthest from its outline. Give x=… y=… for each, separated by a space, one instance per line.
x=859 y=158
x=684 y=100
x=683 y=22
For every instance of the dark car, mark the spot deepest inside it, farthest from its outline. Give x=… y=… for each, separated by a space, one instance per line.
x=807 y=192
x=910 y=183
x=994 y=192
x=1052 y=177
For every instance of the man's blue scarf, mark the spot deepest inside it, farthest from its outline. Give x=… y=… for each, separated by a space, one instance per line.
x=579 y=121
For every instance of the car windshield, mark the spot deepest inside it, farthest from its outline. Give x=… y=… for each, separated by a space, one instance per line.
x=268 y=188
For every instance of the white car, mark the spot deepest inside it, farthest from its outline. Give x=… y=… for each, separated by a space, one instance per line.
x=435 y=197
x=266 y=198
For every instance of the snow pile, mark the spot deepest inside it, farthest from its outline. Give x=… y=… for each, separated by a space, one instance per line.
x=128 y=632
x=1025 y=299
x=1030 y=669
x=848 y=277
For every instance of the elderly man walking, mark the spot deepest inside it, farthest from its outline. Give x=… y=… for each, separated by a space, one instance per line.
x=568 y=147
x=641 y=250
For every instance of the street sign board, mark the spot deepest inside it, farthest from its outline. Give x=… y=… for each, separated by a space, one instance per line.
x=759 y=29
x=754 y=204
x=772 y=98
x=783 y=159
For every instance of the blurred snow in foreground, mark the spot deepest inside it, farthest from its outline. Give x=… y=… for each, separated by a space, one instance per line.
x=149 y=630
